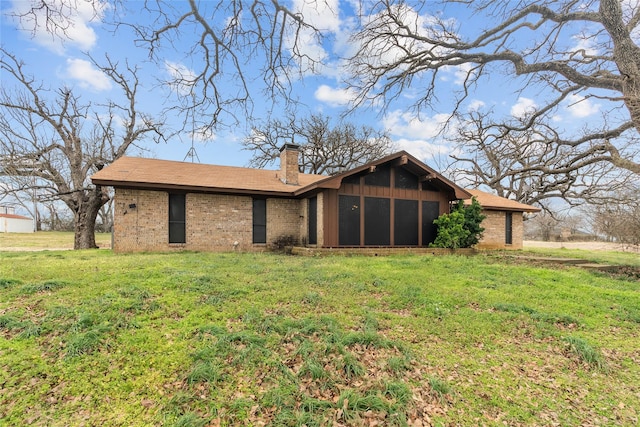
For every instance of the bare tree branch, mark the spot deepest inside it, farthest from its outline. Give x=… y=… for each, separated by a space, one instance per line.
x=400 y=48
x=532 y=165
x=236 y=42
x=325 y=150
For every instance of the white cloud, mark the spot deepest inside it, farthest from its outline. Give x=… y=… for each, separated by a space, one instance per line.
x=182 y=77
x=87 y=75
x=69 y=27
x=584 y=45
x=325 y=16
x=389 y=49
x=334 y=97
x=423 y=149
x=460 y=73
x=475 y=105
x=523 y=107
x=581 y=107
x=203 y=134
x=407 y=125
x=422 y=138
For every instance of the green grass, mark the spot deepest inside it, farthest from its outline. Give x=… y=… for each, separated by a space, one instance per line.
x=196 y=339
x=586 y=352
x=47 y=240
x=439 y=387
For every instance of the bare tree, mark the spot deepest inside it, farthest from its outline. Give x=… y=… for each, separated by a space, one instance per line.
x=104 y=222
x=572 y=51
x=561 y=226
x=52 y=142
x=619 y=222
x=324 y=149
x=521 y=164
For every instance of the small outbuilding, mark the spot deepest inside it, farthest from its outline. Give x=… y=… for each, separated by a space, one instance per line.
x=12 y=223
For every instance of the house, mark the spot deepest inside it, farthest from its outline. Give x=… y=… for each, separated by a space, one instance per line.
x=164 y=205
x=12 y=223
x=503 y=225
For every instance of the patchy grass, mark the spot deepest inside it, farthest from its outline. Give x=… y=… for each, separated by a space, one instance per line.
x=195 y=339
x=586 y=352
x=630 y=259
x=47 y=240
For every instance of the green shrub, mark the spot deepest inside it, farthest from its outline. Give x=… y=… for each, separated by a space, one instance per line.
x=451 y=231
x=460 y=228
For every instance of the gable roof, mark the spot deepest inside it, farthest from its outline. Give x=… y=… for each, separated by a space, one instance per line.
x=401 y=158
x=144 y=173
x=492 y=202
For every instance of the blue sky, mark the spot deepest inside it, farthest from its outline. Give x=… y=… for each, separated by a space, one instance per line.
x=64 y=63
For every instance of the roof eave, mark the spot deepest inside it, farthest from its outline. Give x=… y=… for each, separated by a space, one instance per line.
x=530 y=209
x=191 y=188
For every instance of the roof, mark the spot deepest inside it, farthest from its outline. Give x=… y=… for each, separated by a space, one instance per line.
x=12 y=216
x=152 y=173
x=493 y=202
x=401 y=158
x=136 y=172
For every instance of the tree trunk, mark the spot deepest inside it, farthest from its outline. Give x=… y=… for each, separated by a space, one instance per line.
x=85 y=221
x=627 y=58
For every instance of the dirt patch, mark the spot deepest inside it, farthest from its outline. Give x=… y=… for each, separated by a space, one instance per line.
x=589 y=246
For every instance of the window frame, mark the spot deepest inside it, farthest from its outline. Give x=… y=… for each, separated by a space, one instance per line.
x=177 y=218
x=259 y=221
x=508 y=228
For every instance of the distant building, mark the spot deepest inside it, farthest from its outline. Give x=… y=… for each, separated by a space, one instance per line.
x=12 y=223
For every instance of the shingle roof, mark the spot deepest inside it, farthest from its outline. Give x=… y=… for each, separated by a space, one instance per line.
x=153 y=173
x=493 y=202
x=13 y=216
x=135 y=172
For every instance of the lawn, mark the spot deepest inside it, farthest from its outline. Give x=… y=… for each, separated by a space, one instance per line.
x=629 y=259
x=46 y=240
x=197 y=339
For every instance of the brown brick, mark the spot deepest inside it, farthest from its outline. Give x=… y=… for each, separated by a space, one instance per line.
x=213 y=222
x=494 y=235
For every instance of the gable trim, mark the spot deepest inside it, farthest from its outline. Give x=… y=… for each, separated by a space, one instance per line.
x=402 y=158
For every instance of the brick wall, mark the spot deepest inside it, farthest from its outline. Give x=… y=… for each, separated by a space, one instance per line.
x=217 y=222
x=495 y=230
x=518 y=230
x=213 y=222
x=143 y=228
x=284 y=218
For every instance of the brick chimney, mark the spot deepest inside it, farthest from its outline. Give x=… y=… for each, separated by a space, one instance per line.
x=289 y=163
